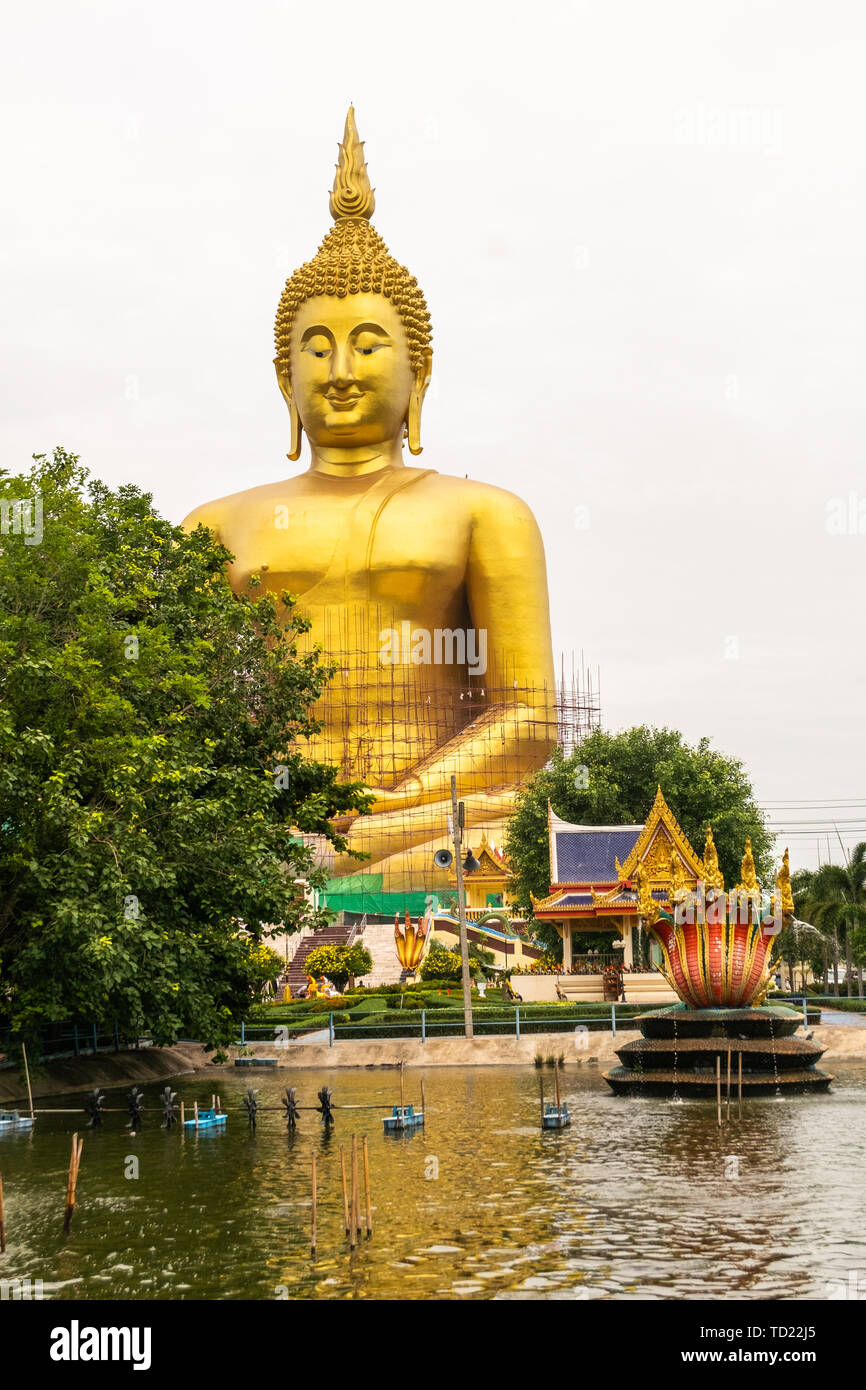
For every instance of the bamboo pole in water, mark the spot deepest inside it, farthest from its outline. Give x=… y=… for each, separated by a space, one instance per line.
x=422 y=1099
x=2 y=1220
x=728 y=1101
x=27 y=1076
x=181 y=1117
x=401 y=1085
x=71 y=1181
x=345 y=1197
x=556 y=1085
x=195 y=1111
x=313 y=1221
x=356 y=1182
x=719 y=1086
x=541 y=1092
x=367 y=1184
x=740 y=1085
x=352 y=1196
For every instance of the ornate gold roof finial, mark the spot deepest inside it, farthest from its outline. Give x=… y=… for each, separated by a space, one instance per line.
x=748 y=875
x=647 y=905
x=783 y=887
x=678 y=876
x=713 y=876
x=351 y=195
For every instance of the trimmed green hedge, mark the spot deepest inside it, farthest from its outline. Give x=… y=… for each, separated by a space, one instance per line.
x=369 y=990
x=308 y=1025
x=444 y=1016
x=826 y=1001
x=539 y=1018
x=368 y=1006
x=410 y=1027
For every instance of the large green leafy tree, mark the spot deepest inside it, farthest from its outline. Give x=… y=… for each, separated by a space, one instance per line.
x=611 y=779
x=151 y=777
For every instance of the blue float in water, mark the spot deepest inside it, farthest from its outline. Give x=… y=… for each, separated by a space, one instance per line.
x=403 y=1117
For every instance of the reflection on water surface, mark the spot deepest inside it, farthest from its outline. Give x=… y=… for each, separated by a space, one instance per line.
x=640 y=1198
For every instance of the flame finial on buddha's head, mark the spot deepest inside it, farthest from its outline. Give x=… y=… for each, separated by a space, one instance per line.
x=351 y=195
x=353 y=259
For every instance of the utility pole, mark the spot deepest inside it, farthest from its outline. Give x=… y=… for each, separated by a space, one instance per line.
x=457 y=837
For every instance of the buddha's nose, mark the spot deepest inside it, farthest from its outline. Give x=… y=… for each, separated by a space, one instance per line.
x=342 y=368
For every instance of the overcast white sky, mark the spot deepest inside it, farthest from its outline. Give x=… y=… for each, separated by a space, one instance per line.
x=640 y=231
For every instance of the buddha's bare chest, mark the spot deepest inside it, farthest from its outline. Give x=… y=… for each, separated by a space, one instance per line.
x=404 y=554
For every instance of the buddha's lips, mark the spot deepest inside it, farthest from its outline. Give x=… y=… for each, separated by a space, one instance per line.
x=344 y=402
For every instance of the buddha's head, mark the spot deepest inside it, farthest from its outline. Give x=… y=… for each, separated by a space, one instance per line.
x=353 y=332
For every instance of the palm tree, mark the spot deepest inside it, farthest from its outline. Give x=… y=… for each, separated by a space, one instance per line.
x=816 y=948
x=834 y=899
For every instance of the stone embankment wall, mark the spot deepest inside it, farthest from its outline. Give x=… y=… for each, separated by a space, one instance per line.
x=139 y=1066
x=594 y=1049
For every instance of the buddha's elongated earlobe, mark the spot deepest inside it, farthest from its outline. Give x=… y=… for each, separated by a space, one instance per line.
x=285 y=386
x=297 y=432
x=413 y=424
x=416 y=401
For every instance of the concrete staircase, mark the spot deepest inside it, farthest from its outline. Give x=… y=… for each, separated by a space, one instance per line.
x=378 y=937
x=648 y=987
x=640 y=988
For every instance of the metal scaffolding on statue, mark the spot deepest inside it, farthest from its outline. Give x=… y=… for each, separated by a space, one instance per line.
x=398 y=719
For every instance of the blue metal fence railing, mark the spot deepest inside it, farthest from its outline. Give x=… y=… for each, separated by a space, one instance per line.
x=426 y=1024
x=76 y=1040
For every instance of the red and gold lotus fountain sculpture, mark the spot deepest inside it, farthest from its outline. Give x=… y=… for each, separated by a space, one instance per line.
x=718 y=947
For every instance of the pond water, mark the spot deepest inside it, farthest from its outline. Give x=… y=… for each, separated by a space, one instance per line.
x=640 y=1198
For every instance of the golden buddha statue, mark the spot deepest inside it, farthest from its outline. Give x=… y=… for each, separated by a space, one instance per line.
x=429 y=591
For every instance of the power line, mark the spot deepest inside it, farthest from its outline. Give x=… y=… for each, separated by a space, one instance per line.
x=818 y=834
x=807 y=805
x=855 y=820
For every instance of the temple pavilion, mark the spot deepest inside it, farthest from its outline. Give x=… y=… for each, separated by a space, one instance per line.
x=592 y=880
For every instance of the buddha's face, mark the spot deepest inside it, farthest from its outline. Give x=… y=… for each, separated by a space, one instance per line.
x=351 y=377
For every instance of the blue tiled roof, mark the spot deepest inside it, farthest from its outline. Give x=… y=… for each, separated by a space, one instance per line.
x=587 y=856
x=575 y=900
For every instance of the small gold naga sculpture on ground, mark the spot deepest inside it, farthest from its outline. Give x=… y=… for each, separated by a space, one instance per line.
x=411 y=943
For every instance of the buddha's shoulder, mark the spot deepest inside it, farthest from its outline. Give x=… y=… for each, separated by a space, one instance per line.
x=216 y=515
x=466 y=496
x=480 y=499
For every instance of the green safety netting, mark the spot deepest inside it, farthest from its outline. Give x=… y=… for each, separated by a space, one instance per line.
x=363 y=893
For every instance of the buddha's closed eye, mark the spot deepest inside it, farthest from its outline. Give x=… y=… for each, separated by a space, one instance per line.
x=318 y=346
